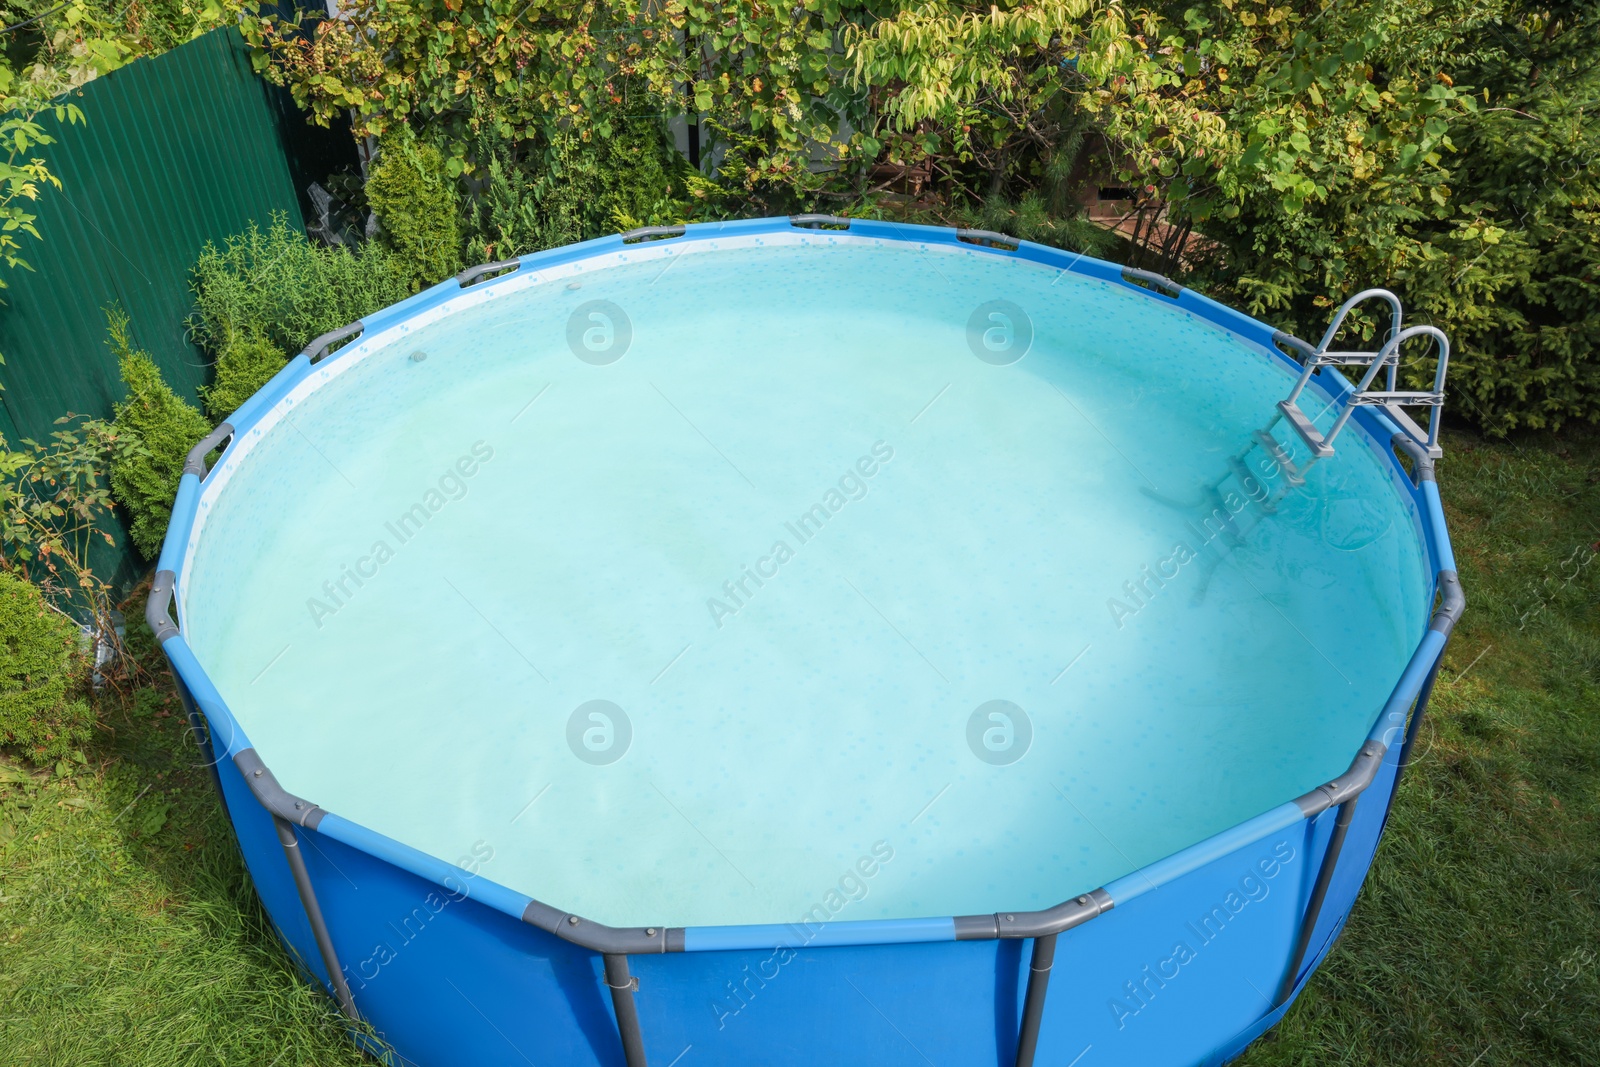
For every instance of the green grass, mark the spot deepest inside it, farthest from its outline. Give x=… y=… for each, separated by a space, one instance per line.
x=1477 y=937
x=129 y=934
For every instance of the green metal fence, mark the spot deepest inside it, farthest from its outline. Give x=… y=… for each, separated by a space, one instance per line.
x=176 y=150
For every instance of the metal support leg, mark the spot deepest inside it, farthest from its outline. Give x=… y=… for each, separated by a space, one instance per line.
x=308 y=901
x=1319 y=892
x=622 y=986
x=1044 y=955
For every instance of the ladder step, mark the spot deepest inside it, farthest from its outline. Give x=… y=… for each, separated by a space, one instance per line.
x=1245 y=477
x=1269 y=445
x=1391 y=400
x=1409 y=427
x=1302 y=426
x=1348 y=358
x=1383 y=399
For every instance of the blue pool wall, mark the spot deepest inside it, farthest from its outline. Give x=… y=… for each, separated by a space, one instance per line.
x=443 y=970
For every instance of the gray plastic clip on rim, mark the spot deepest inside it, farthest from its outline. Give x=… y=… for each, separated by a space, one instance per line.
x=1422 y=463
x=1288 y=340
x=990 y=238
x=597 y=937
x=652 y=233
x=318 y=348
x=472 y=274
x=1158 y=282
x=195 y=462
x=272 y=796
x=1363 y=769
x=1023 y=924
x=156 y=610
x=1452 y=602
x=813 y=221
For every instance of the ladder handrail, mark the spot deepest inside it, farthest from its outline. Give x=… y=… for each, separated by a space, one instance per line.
x=1391 y=350
x=1345 y=308
x=1315 y=360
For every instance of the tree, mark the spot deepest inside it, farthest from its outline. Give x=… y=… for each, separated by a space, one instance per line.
x=1283 y=153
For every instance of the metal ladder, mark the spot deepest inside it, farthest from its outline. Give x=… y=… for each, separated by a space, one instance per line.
x=1394 y=401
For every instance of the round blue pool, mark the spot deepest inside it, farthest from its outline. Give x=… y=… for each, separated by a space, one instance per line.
x=795 y=640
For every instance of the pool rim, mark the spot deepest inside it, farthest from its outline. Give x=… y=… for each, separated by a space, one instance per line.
x=1392 y=725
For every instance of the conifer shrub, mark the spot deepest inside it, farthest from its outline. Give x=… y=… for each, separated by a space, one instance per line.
x=145 y=481
x=417 y=206
x=245 y=364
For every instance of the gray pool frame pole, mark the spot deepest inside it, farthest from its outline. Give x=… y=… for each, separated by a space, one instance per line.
x=287 y=812
x=1451 y=604
x=1330 y=860
x=313 y=910
x=1044 y=956
x=284 y=808
x=622 y=986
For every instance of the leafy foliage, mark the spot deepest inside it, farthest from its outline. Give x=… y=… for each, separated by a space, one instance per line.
x=1282 y=154
x=63 y=46
x=275 y=284
x=246 y=363
x=40 y=712
x=1515 y=283
x=1431 y=175
x=529 y=69
x=526 y=196
x=416 y=204
x=146 y=481
x=21 y=173
x=1286 y=156
x=55 y=506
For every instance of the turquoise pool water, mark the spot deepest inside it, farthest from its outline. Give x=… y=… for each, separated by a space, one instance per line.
x=775 y=567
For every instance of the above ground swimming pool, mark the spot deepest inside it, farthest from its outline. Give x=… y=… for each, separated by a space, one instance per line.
x=777 y=642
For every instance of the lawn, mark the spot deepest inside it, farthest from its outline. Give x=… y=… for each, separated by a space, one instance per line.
x=130 y=935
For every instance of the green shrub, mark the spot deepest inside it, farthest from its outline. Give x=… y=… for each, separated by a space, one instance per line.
x=40 y=713
x=415 y=201
x=145 y=482
x=56 y=511
x=507 y=216
x=527 y=196
x=1031 y=219
x=642 y=177
x=277 y=285
x=246 y=363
